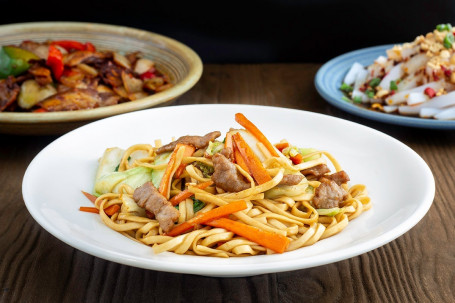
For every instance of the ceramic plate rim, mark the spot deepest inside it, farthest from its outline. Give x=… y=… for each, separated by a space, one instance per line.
x=273 y=264
x=334 y=97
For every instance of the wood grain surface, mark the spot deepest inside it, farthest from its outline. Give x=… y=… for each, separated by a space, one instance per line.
x=417 y=267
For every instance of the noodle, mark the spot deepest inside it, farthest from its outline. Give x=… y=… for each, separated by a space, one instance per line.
x=289 y=211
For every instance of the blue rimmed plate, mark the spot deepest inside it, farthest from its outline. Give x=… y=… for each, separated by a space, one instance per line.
x=329 y=79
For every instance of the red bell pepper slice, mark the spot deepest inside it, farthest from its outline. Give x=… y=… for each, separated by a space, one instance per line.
x=55 y=61
x=148 y=74
x=69 y=44
x=90 y=47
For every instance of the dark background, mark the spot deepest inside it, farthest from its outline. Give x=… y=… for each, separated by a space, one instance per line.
x=253 y=31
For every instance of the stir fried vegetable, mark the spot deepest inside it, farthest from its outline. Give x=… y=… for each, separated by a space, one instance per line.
x=66 y=75
x=14 y=61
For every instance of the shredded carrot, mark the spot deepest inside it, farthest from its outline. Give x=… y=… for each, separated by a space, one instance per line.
x=112 y=209
x=275 y=242
x=89 y=209
x=254 y=165
x=239 y=159
x=208 y=216
x=242 y=120
x=281 y=146
x=109 y=210
x=89 y=196
x=165 y=184
x=186 y=194
x=189 y=150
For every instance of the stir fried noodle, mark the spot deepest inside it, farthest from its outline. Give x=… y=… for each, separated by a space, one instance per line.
x=271 y=209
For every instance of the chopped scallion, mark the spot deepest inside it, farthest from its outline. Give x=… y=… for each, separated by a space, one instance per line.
x=370 y=93
x=375 y=82
x=357 y=99
x=448 y=40
x=444 y=27
x=346 y=88
x=197 y=205
x=393 y=85
x=344 y=98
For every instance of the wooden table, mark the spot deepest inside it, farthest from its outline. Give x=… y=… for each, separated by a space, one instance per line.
x=417 y=267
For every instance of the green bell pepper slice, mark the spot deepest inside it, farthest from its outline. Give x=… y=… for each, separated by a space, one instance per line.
x=14 y=61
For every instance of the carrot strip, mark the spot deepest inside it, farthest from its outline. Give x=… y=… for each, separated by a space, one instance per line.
x=275 y=242
x=112 y=209
x=239 y=159
x=297 y=159
x=252 y=162
x=183 y=195
x=208 y=216
x=281 y=146
x=89 y=209
x=165 y=184
x=189 y=150
x=89 y=196
x=242 y=120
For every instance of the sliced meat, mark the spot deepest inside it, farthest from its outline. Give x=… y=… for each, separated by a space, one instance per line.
x=328 y=194
x=339 y=178
x=8 y=92
x=72 y=99
x=79 y=80
x=196 y=141
x=78 y=57
x=133 y=57
x=109 y=99
x=316 y=171
x=291 y=179
x=41 y=74
x=111 y=74
x=226 y=175
x=228 y=153
x=148 y=197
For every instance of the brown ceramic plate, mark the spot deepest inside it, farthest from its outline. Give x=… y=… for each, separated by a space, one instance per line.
x=175 y=59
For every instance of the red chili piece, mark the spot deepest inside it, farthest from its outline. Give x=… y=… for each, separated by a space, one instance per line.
x=429 y=92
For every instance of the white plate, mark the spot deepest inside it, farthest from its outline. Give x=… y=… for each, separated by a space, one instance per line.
x=400 y=184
